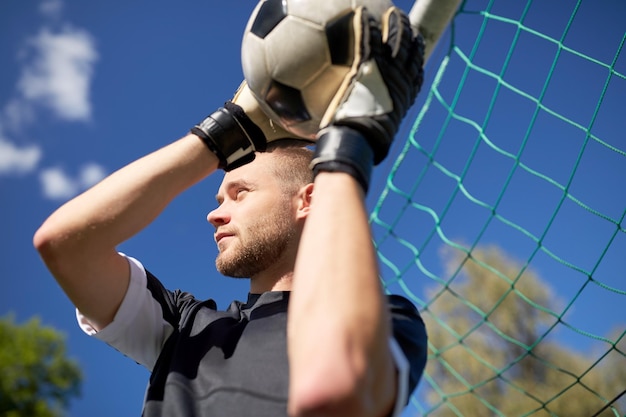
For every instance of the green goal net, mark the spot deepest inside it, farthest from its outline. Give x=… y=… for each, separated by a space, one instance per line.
x=502 y=216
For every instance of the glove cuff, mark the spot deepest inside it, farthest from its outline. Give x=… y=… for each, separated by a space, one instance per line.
x=231 y=136
x=342 y=149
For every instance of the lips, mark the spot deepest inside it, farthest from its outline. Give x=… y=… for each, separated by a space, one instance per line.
x=221 y=235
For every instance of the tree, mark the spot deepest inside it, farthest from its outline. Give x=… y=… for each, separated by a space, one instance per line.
x=493 y=351
x=37 y=379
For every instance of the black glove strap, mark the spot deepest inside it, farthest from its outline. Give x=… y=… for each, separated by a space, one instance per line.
x=231 y=136
x=254 y=133
x=342 y=149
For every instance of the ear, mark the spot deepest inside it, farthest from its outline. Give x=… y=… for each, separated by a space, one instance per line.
x=304 y=197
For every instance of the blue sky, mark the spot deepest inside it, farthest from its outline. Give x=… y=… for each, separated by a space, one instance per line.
x=87 y=88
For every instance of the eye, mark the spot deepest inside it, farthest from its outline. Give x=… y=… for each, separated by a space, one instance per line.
x=240 y=193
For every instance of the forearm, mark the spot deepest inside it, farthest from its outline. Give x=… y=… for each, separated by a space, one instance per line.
x=338 y=321
x=130 y=198
x=78 y=241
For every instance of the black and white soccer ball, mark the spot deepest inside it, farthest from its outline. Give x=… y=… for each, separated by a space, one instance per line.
x=295 y=55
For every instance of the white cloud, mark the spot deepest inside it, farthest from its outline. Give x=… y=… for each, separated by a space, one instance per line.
x=17 y=113
x=91 y=174
x=59 y=72
x=16 y=160
x=57 y=67
x=57 y=184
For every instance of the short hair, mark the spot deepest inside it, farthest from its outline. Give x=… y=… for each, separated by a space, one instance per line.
x=294 y=159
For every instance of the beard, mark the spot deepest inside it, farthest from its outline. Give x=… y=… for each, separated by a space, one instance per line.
x=260 y=247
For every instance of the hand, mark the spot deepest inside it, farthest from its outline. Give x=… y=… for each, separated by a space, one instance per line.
x=360 y=128
x=239 y=129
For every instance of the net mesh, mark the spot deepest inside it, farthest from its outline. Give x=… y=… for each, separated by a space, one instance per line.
x=502 y=217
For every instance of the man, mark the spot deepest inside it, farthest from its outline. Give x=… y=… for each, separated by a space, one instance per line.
x=316 y=337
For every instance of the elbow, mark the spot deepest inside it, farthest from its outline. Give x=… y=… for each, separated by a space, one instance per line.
x=324 y=398
x=51 y=245
x=339 y=397
x=44 y=241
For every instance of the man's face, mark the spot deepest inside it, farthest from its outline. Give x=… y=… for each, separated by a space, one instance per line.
x=255 y=221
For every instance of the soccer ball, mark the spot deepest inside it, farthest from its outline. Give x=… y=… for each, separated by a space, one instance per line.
x=295 y=55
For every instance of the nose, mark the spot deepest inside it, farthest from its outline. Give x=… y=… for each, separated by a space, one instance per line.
x=218 y=216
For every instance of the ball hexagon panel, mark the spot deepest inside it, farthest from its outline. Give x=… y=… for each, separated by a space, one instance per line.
x=255 y=67
x=296 y=51
x=340 y=38
x=324 y=11
x=269 y=14
x=287 y=103
x=318 y=11
x=317 y=95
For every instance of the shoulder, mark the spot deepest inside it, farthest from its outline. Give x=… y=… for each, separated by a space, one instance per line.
x=409 y=332
x=407 y=323
x=400 y=306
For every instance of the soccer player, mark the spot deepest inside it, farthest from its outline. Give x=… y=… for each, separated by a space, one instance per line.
x=316 y=335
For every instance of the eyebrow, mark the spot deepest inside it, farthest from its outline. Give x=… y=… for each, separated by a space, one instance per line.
x=233 y=184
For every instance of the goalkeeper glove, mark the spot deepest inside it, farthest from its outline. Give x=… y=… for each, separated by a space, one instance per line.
x=359 y=129
x=237 y=130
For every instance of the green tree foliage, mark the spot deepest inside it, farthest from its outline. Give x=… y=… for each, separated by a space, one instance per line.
x=494 y=351
x=36 y=377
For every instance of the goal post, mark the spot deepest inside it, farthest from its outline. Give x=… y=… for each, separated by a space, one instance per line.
x=431 y=18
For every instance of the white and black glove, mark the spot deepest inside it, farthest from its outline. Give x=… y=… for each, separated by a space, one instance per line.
x=359 y=129
x=239 y=129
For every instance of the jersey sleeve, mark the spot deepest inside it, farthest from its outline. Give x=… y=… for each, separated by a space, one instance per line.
x=408 y=347
x=146 y=318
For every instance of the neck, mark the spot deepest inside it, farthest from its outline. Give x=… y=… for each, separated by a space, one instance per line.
x=267 y=281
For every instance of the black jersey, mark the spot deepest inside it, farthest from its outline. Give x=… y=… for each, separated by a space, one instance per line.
x=207 y=362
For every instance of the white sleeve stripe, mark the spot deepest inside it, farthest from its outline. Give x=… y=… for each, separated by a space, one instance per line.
x=138 y=329
x=128 y=308
x=402 y=367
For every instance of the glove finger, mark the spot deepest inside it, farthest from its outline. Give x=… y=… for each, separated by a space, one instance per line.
x=403 y=45
x=392 y=30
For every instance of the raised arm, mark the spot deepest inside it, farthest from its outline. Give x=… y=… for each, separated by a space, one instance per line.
x=339 y=326
x=78 y=242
